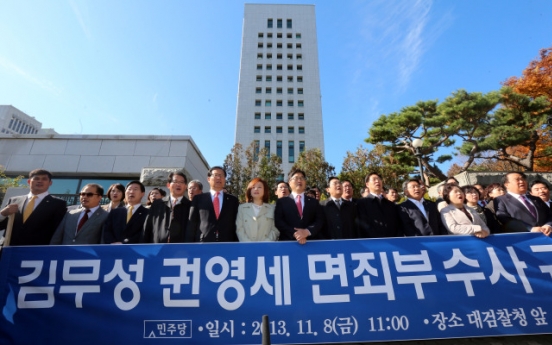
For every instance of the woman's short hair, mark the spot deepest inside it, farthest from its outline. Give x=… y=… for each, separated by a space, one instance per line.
x=116 y=186
x=447 y=190
x=471 y=189
x=490 y=189
x=266 y=192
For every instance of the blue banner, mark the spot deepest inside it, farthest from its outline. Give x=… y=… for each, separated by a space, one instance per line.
x=321 y=292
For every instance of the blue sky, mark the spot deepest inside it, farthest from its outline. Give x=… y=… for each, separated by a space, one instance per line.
x=171 y=67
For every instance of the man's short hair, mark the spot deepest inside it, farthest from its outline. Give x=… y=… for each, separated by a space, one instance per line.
x=99 y=188
x=370 y=175
x=539 y=181
x=215 y=168
x=177 y=173
x=330 y=180
x=278 y=183
x=505 y=177
x=142 y=188
x=352 y=185
x=405 y=183
x=37 y=172
x=296 y=171
x=198 y=183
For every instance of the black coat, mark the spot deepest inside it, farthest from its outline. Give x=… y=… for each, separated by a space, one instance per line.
x=286 y=217
x=116 y=229
x=415 y=224
x=165 y=224
x=340 y=223
x=378 y=218
x=203 y=225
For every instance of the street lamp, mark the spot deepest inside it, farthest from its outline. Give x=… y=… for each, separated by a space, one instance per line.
x=417 y=145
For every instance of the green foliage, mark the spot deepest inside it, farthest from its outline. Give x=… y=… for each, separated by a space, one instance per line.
x=315 y=167
x=7 y=182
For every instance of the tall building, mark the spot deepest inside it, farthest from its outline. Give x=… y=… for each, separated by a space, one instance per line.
x=14 y=121
x=279 y=100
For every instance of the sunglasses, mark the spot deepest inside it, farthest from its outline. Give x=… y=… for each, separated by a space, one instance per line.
x=88 y=194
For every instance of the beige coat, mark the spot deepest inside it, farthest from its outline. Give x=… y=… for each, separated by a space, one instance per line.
x=251 y=228
x=457 y=223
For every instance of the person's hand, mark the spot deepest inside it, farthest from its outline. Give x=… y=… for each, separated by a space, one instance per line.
x=301 y=235
x=9 y=209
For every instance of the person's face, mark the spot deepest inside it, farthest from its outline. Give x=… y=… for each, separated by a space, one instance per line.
x=177 y=186
x=298 y=183
x=498 y=191
x=456 y=196
x=257 y=191
x=480 y=189
x=516 y=184
x=39 y=184
x=335 y=188
x=154 y=194
x=89 y=197
x=116 y=195
x=134 y=194
x=375 y=184
x=217 y=180
x=282 y=190
x=193 y=190
x=392 y=195
x=540 y=190
x=472 y=197
x=414 y=191
x=347 y=190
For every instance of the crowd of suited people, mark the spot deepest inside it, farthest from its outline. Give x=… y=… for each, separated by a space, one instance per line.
x=187 y=213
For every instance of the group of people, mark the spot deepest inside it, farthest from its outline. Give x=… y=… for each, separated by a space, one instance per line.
x=216 y=216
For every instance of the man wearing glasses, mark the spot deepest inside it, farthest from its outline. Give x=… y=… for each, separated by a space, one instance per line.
x=83 y=225
x=37 y=214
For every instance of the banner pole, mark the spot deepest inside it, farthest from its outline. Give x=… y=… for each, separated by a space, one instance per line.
x=265 y=331
x=8 y=233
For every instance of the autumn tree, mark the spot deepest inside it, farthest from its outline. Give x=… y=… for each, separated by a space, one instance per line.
x=315 y=167
x=7 y=182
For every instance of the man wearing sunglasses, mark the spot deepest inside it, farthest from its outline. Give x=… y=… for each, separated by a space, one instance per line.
x=83 y=225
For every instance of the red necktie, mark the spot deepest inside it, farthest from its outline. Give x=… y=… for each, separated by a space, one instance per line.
x=299 y=207
x=216 y=204
x=83 y=219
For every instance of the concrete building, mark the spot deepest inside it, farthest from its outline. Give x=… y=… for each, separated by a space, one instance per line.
x=76 y=160
x=14 y=121
x=279 y=101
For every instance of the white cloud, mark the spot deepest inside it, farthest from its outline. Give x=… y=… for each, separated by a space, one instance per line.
x=80 y=19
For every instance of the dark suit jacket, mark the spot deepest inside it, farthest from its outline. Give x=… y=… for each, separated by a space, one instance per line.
x=203 y=225
x=90 y=233
x=340 y=223
x=116 y=229
x=515 y=217
x=41 y=224
x=378 y=218
x=165 y=224
x=286 y=218
x=415 y=224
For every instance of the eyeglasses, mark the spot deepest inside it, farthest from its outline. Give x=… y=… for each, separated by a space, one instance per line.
x=298 y=178
x=88 y=194
x=177 y=182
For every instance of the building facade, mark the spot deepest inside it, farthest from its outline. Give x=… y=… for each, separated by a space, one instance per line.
x=14 y=121
x=279 y=102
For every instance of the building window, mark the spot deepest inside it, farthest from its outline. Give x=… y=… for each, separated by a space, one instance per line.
x=299 y=56
x=289 y=67
x=257 y=102
x=279 y=56
x=269 y=24
x=259 y=56
x=257 y=116
x=258 y=90
x=291 y=152
x=299 y=67
x=300 y=116
x=267 y=129
x=279 y=148
x=290 y=103
x=279 y=78
x=291 y=130
x=259 y=78
x=269 y=35
x=290 y=56
x=300 y=103
x=279 y=103
x=288 y=23
x=300 y=90
x=298 y=36
x=298 y=45
x=279 y=67
x=278 y=130
x=290 y=78
x=278 y=23
x=301 y=130
x=269 y=56
x=279 y=90
x=260 y=45
x=269 y=67
x=259 y=67
x=260 y=35
x=257 y=129
x=278 y=116
x=289 y=46
x=289 y=35
x=301 y=146
x=268 y=116
x=268 y=90
x=279 y=45
x=300 y=79
x=290 y=116
x=267 y=147
x=268 y=78
x=290 y=91
x=268 y=103
x=269 y=45
x=256 y=152
x=279 y=35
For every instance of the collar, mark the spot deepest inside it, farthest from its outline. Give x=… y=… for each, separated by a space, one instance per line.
x=213 y=192
x=515 y=195
x=39 y=196
x=417 y=202
x=294 y=195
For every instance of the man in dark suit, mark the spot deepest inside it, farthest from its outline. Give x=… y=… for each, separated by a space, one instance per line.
x=348 y=191
x=83 y=225
x=340 y=215
x=213 y=214
x=168 y=218
x=540 y=189
x=377 y=216
x=519 y=212
x=298 y=217
x=124 y=225
x=37 y=214
x=419 y=217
